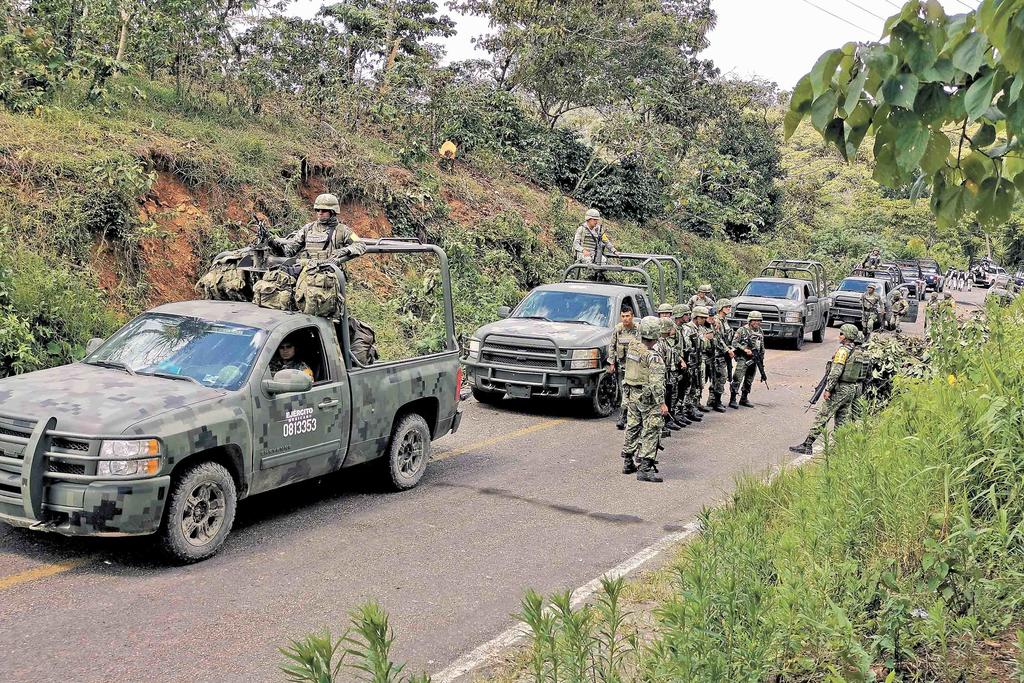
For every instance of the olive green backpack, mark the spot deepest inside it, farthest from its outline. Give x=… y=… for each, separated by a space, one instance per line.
x=316 y=292
x=276 y=289
x=225 y=281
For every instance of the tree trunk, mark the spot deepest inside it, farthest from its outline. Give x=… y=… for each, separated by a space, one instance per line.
x=122 y=40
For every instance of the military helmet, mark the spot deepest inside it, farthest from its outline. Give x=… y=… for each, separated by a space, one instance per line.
x=327 y=202
x=700 y=311
x=871 y=285
x=755 y=315
x=679 y=310
x=650 y=327
x=706 y=289
x=850 y=331
x=722 y=303
x=593 y=213
x=667 y=325
x=665 y=308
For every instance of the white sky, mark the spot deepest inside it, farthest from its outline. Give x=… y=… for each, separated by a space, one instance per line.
x=775 y=39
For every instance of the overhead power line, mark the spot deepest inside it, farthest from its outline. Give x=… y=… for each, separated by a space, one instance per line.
x=865 y=9
x=836 y=16
x=966 y=5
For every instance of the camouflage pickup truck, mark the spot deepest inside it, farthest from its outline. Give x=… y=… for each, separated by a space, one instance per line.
x=164 y=426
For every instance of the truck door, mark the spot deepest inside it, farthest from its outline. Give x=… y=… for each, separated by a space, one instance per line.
x=813 y=307
x=302 y=435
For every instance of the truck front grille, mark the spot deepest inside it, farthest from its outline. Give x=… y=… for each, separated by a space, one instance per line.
x=770 y=314
x=541 y=357
x=64 y=467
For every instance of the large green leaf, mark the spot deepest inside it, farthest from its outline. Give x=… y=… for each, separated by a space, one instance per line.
x=931 y=102
x=1014 y=92
x=854 y=136
x=823 y=110
x=880 y=61
x=976 y=167
x=969 y=54
x=792 y=120
x=984 y=136
x=802 y=96
x=942 y=71
x=823 y=71
x=853 y=92
x=900 y=90
x=935 y=155
x=979 y=96
x=995 y=200
x=911 y=143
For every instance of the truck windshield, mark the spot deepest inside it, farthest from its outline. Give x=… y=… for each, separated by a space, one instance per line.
x=772 y=290
x=218 y=355
x=853 y=286
x=594 y=309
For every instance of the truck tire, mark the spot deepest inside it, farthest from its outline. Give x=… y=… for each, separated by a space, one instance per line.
x=487 y=397
x=602 y=403
x=818 y=335
x=798 y=341
x=200 y=513
x=408 y=452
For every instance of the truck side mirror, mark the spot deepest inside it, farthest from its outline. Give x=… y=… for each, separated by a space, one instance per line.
x=288 y=382
x=92 y=345
x=812 y=299
x=504 y=311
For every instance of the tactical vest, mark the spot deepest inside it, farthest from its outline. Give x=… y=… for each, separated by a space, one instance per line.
x=315 y=240
x=853 y=370
x=623 y=338
x=638 y=359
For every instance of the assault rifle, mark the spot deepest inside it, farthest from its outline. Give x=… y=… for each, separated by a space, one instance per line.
x=820 y=389
x=759 y=360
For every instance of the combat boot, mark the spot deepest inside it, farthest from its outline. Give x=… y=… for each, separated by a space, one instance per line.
x=694 y=415
x=628 y=466
x=732 y=401
x=745 y=402
x=672 y=424
x=648 y=472
x=703 y=408
x=680 y=417
x=805 y=448
x=665 y=432
x=621 y=424
x=717 y=407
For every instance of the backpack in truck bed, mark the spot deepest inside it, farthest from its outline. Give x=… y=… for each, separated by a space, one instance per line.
x=362 y=338
x=276 y=289
x=225 y=281
x=317 y=292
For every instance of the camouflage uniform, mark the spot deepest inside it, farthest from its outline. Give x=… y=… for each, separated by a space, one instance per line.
x=695 y=365
x=897 y=306
x=591 y=245
x=722 y=344
x=645 y=374
x=841 y=385
x=310 y=241
x=669 y=353
x=684 y=342
x=622 y=337
x=745 y=339
x=277 y=364
x=870 y=311
x=703 y=297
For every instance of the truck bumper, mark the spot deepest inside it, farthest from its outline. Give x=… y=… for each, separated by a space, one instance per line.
x=518 y=383
x=772 y=330
x=99 y=508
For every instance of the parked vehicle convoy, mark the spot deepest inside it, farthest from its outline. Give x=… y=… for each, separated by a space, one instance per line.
x=934 y=278
x=913 y=276
x=164 y=426
x=792 y=298
x=846 y=299
x=554 y=343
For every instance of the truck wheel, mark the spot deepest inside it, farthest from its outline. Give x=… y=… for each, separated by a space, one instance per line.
x=798 y=341
x=200 y=513
x=487 y=397
x=602 y=403
x=818 y=335
x=408 y=452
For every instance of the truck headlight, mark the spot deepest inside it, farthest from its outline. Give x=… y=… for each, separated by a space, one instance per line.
x=129 y=458
x=791 y=317
x=474 y=348
x=584 y=359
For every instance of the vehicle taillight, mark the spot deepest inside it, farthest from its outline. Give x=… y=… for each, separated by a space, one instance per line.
x=458 y=385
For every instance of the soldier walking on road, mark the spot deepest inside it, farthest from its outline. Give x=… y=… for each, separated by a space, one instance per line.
x=722 y=344
x=898 y=306
x=870 y=310
x=645 y=375
x=748 y=346
x=844 y=377
x=625 y=333
x=591 y=244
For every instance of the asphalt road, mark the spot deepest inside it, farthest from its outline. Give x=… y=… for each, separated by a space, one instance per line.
x=526 y=495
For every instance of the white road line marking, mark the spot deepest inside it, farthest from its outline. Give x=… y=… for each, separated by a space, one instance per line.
x=491 y=649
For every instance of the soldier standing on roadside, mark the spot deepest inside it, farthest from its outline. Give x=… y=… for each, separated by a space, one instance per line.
x=722 y=344
x=681 y=316
x=698 y=370
x=840 y=387
x=591 y=244
x=645 y=375
x=669 y=353
x=897 y=307
x=747 y=344
x=625 y=332
x=870 y=310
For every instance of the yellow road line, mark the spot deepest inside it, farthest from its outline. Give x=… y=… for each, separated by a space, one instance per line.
x=43 y=571
x=540 y=426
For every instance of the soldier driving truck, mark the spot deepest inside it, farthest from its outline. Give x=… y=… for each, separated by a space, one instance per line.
x=162 y=428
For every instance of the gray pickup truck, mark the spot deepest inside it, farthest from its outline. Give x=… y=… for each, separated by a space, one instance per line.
x=792 y=297
x=164 y=426
x=555 y=342
x=846 y=298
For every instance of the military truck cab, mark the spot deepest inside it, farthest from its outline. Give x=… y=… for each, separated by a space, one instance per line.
x=792 y=299
x=846 y=299
x=555 y=342
x=164 y=426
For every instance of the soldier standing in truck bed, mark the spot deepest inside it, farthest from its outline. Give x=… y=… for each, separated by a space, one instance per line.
x=322 y=239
